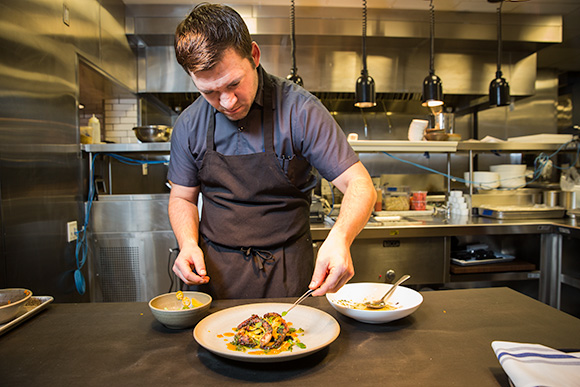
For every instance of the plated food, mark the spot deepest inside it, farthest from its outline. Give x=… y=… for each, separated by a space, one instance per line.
x=266 y=335
x=309 y=330
x=350 y=297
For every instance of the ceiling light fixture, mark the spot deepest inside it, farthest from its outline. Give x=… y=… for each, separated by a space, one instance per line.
x=499 y=89
x=365 y=95
x=294 y=77
x=432 y=87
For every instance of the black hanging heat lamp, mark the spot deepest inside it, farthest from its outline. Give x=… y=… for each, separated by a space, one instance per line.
x=432 y=87
x=499 y=89
x=365 y=95
x=294 y=77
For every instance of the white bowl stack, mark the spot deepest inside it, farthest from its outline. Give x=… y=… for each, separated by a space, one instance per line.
x=483 y=180
x=457 y=204
x=510 y=175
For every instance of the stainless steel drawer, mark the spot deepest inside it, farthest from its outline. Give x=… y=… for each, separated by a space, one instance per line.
x=385 y=260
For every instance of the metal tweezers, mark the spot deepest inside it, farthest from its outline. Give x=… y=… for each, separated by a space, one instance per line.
x=298 y=301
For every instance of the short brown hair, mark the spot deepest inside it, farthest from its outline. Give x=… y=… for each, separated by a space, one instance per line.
x=207 y=32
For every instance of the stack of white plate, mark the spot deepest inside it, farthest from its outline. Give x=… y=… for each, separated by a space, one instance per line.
x=482 y=180
x=510 y=175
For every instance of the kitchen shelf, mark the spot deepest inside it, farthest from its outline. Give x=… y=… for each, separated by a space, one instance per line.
x=366 y=146
x=511 y=146
x=516 y=265
x=135 y=147
x=473 y=278
x=403 y=146
x=453 y=146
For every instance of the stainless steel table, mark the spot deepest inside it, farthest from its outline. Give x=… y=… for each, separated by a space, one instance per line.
x=446 y=342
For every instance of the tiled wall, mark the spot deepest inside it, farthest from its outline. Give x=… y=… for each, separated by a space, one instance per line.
x=119 y=120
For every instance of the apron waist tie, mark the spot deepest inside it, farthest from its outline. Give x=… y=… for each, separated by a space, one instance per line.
x=260 y=256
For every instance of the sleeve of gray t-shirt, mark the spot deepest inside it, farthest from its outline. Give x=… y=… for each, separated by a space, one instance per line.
x=320 y=139
x=187 y=150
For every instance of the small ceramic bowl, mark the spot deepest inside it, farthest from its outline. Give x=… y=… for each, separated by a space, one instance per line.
x=168 y=310
x=405 y=300
x=11 y=302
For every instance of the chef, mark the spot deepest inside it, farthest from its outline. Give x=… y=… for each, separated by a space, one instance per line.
x=249 y=147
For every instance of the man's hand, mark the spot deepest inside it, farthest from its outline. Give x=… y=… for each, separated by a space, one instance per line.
x=184 y=216
x=333 y=267
x=190 y=266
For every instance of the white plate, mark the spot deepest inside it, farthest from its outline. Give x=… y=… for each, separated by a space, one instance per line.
x=407 y=301
x=320 y=329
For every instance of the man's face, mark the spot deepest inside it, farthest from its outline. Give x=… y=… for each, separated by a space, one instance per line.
x=231 y=85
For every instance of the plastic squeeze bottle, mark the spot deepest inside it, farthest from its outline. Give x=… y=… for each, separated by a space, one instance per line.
x=96 y=125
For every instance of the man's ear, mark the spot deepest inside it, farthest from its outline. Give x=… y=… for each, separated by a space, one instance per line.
x=256 y=54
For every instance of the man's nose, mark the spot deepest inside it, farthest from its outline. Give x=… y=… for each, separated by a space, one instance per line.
x=228 y=100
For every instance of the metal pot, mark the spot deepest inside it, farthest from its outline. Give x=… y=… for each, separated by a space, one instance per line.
x=153 y=133
x=551 y=198
x=568 y=199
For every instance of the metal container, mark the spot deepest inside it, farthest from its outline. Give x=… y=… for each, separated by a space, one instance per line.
x=569 y=199
x=551 y=198
x=153 y=133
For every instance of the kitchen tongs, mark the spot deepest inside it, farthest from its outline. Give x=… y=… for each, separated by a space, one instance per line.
x=298 y=301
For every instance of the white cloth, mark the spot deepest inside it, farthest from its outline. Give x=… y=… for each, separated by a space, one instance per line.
x=530 y=365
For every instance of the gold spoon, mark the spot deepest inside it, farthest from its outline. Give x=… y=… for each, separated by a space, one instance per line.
x=379 y=304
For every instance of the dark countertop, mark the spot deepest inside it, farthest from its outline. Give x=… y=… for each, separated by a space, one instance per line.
x=446 y=342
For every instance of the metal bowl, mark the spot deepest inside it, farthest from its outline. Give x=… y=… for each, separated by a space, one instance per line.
x=153 y=133
x=11 y=301
x=435 y=135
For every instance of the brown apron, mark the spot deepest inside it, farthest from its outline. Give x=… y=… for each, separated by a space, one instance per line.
x=255 y=230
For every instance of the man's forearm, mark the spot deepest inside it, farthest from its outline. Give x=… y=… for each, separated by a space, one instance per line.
x=184 y=218
x=355 y=210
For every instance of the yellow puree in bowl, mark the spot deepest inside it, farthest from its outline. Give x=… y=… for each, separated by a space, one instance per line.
x=362 y=306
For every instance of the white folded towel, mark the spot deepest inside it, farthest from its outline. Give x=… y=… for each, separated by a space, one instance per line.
x=530 y=365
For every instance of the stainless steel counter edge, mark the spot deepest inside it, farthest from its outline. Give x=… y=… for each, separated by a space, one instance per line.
x=366 y=146
x=440 y=227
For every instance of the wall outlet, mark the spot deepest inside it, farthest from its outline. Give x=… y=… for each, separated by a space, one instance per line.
x=65 y=15
x=71 y=231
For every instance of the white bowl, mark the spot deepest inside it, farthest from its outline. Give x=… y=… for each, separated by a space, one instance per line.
x=406 y=299
x=168 y=310
x=11 y=301
x=483 y=180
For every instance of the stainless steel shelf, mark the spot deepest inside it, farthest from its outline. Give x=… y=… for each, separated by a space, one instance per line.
x=366 y=146
x=138 y=147
x=452 y=146
x=403 y=146
x=509 y=146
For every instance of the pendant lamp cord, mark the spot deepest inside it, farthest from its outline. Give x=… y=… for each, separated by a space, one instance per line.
x=499 y=39
x=292 y=38
x=432 y=33
x=364 y=37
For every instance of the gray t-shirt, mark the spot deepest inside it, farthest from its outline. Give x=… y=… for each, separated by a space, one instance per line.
x=302 y=128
